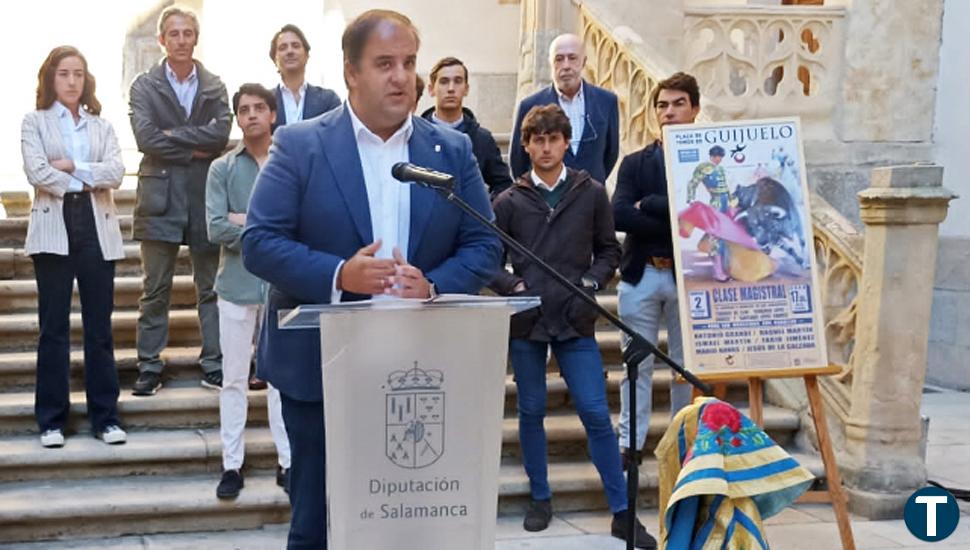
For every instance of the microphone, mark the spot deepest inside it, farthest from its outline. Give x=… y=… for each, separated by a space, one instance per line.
x=407 y=172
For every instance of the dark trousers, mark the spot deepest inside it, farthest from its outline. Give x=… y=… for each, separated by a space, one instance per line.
x=158 y=259
x=55 y=276
x=308 y=475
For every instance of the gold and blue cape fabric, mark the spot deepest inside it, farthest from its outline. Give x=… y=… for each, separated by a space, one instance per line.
x=720 y=476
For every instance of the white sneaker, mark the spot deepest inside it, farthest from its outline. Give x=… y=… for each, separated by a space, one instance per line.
x=113 y=435
x=52 y=438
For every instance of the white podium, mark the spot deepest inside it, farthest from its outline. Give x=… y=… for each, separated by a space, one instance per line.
x=413 y=395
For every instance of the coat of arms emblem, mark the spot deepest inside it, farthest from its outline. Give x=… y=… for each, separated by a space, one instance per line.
x=415 y=421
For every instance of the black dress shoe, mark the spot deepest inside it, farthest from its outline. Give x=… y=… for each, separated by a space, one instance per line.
x=147 y=383
x=212 y=380
x=643 y=539
x=230 y=484
x=538 y=516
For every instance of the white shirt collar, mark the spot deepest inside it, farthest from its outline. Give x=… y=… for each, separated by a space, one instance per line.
x=285 y=88
x=359 y=128
x=62 y=111
x=564 y=97
x=173 y=77
x=539 y=183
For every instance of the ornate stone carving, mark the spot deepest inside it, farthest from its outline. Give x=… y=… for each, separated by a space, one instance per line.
x=838 y=253
x=759 y=62
x=612 y=66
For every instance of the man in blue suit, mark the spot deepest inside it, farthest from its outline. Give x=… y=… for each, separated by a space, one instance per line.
x=593 y=113
x=328 y=223
x=297 y=100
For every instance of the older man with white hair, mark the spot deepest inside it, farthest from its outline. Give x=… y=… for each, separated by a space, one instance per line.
x=593 y=113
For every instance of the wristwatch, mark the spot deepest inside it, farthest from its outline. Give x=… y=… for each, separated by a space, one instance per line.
x=432 y=291
x=590 y=283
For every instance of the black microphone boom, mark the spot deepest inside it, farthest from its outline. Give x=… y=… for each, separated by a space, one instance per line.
x=407 y=172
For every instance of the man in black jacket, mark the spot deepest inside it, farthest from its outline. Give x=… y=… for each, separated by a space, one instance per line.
x=564 y=216
x=647 y=292
x=449 y=87
x=180 y=118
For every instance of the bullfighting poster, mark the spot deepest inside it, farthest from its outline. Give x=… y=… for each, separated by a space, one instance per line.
x=745 y=267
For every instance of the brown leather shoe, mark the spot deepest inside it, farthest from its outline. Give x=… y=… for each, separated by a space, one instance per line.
x=256 y=383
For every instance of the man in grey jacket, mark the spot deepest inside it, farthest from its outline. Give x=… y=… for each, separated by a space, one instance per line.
x=180 y=117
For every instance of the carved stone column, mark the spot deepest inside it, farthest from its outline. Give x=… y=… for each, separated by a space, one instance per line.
x=902 y=211
x=541 y=22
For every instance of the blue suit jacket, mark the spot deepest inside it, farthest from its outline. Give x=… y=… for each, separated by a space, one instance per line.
x=318 y=100
x=309 y=211
x=600 y=144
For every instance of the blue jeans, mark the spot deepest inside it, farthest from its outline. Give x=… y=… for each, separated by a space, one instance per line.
x=643 y=306
x=582 y=368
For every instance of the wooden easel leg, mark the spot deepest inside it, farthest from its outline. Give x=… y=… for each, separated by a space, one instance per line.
x=756 y=401
x=720 y=391
x=833 y=478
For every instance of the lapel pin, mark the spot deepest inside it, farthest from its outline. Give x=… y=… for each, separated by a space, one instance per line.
x=437 y=148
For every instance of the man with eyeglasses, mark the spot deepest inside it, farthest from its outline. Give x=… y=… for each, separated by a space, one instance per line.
x=592 y=111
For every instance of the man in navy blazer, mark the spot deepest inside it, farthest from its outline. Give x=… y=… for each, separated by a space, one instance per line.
x=313 y=233
x=295 y=98
x=593 y=113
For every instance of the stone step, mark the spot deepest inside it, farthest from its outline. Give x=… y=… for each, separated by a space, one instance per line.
x=125 y=200
x=21 y=295
x=18 y=373
x=18 y=331
x=18 y=369
x=156 y=452
x=15 y=264
x=134 y=505
x=160 y=504
x=181 y=390
x=173 y=407
x=566 y=437
x=185 y=451
x=13 y=231
x=181 y=408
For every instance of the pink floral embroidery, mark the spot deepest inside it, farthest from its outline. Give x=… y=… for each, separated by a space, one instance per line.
x=718 y=415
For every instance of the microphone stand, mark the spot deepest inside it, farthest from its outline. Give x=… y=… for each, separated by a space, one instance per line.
x=637 y=350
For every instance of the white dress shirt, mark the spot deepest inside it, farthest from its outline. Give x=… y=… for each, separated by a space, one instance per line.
x=76 y=144
x=575 y=109
x=388 y=200
x=293 y=108
x=184 y=90
x=540 y=183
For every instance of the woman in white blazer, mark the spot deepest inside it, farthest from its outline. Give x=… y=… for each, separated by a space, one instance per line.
x=72 y=159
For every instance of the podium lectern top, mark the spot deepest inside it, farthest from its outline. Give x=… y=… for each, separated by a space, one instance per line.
x=308 y=316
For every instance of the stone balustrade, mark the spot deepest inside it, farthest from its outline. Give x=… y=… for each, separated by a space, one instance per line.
x=611 y=65
x=756 y=62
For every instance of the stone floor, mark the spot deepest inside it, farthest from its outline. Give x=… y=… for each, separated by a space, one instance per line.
x=802 y=527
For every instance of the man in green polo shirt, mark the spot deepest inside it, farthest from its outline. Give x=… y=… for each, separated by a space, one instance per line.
x=241 y=294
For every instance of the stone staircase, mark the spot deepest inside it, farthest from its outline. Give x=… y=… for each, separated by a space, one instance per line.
x=164 y=478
